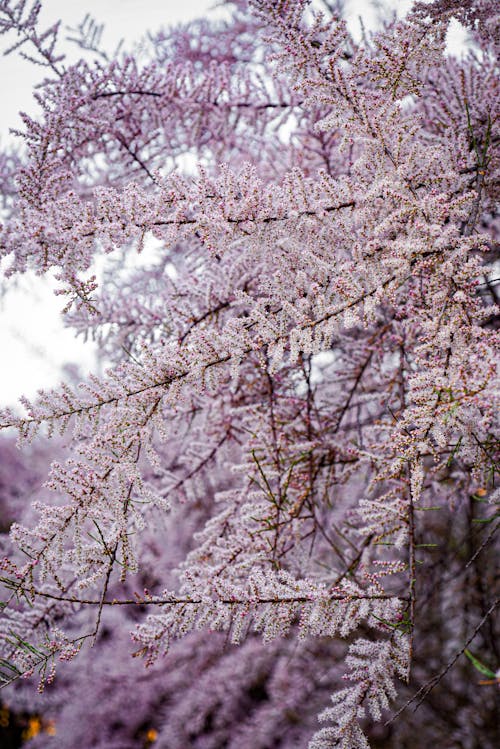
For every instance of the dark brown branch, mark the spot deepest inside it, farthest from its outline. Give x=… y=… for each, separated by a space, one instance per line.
x=200 y=601
x=429 y=685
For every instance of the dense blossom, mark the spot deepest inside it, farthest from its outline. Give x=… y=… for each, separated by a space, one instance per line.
x=287 y=476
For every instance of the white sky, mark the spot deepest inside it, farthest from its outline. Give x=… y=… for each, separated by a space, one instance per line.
x=124 y=19
x=33 y=343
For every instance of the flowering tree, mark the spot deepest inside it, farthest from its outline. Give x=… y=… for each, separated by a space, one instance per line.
x=286 y=477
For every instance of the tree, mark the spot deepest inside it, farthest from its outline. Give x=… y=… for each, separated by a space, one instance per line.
x=287 y=475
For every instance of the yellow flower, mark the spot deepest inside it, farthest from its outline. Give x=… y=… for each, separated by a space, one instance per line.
x=33 y=728
x=151 y=736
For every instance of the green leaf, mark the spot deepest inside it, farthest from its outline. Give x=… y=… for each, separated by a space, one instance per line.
x=479 y=666
x=8 y=666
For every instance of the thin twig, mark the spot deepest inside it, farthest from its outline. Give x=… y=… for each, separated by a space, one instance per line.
x=429 y=685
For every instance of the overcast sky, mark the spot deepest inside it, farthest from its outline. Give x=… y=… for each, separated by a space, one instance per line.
x=33 y=343
x=124 y=19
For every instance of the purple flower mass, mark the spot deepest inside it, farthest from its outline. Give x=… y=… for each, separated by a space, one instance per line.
x=279 y=503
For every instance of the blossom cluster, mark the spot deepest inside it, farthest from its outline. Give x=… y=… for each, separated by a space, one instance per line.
x=301 y=364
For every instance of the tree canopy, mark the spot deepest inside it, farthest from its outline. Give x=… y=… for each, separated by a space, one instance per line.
x=284 y=486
